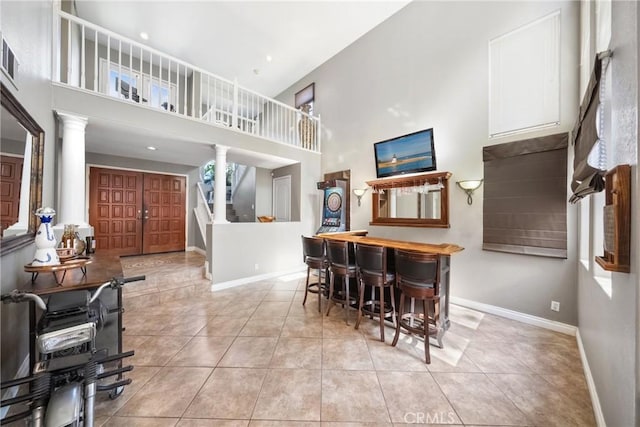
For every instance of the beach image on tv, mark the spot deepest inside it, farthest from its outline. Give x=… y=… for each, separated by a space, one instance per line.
x=408 y=153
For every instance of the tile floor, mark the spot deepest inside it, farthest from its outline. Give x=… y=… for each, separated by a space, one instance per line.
x=254 y=356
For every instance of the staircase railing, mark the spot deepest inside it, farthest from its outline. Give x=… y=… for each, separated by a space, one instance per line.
x=95 y=59
x=202 y=211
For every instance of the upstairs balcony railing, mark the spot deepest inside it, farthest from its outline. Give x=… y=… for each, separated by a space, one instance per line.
x=98 y=60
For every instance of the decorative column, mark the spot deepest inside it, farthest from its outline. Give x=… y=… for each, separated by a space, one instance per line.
x=220 y=186
x=72 y=172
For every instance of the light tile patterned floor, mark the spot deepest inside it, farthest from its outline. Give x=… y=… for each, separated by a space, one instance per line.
x=255 y=356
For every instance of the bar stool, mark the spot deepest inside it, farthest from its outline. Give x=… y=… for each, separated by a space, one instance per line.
x=417 y=278
x=315 y=256
x=341 y=264
x=371 y=262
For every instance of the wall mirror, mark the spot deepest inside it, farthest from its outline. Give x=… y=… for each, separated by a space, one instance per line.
x=22 y=159
x=411 y=201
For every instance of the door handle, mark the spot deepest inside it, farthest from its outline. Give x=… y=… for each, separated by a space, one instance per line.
x=146 y=214
x=139 y=214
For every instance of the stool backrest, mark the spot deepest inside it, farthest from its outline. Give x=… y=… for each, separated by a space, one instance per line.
x=313 y=247
x=417 y=267
x=340 y=253
x=371 y=259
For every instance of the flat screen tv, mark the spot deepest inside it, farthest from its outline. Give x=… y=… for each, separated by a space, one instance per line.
x=410 y=153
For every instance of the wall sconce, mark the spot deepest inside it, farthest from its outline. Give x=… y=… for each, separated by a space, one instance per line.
x=469 y=187
x=359 y=192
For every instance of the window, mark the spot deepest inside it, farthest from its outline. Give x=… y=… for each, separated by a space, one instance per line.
x=155 y=92
x=525 y=196
x=584 y=230
x=524 y=78
x=306 y=97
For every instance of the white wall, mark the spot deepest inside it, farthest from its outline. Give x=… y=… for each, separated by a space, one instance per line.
x=27 y=28
x=609 y=324
x=264 y=192
x=427 y=66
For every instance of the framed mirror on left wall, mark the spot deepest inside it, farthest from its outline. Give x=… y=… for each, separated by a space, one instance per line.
x=21 y=161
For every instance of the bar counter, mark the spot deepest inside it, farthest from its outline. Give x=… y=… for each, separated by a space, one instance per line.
x=443 y=250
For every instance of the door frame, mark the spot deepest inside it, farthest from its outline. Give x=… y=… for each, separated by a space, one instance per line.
x=88 y=167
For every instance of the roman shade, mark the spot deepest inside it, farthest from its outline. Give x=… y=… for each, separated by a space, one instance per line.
x=587 y=179
x=525 y=190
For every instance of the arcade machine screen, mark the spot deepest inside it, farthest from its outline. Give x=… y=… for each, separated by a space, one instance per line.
x=333 y=214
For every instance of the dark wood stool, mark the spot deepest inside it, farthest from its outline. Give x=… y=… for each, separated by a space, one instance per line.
x=417 y=278
x=371 y=262
x=341 y=265
x=315 y=256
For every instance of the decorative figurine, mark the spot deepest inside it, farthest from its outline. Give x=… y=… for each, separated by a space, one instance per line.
x=45 y=239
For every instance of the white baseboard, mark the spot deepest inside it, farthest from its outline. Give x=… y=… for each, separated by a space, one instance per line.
x=591 y=385
x=515 y=315
x=196 y=249
x=238 y=282
x=23 y=371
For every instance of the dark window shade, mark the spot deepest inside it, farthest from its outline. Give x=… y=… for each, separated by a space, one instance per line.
x=587 y=179
x=525 y=190
x=306 y=95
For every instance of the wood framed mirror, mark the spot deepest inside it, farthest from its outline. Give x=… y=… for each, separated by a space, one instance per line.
x=411 y=201
x=14 y=118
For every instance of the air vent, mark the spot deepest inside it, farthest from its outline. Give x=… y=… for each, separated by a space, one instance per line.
x=9 y=61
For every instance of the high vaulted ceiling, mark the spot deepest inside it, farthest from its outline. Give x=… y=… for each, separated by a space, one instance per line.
x=233 y=38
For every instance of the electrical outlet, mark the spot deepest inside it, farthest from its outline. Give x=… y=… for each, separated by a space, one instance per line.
x=555 y=306
x=257 y=267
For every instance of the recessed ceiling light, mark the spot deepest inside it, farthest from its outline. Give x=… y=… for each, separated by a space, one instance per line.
x=144 y=36
x=269 y=58
x=152 y=148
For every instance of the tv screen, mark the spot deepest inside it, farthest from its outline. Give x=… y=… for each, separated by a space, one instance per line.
x=410 y=153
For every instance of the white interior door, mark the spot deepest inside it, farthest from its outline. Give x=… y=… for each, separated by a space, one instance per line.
x=282 y=198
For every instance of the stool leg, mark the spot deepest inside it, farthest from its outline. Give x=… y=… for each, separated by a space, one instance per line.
x=360 y=303
x=319 y=290
x=345 y=286
x=398 y=321
x=427 y=354
x=382 y=313
x=331 y=284
x=306 y=287
x=393 y=305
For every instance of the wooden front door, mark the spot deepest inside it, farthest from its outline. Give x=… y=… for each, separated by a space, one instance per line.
x=115 y=206
x=10 y=179
x=137 y=213
x=164 y=213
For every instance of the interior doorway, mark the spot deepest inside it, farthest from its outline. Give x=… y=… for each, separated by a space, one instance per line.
x=135 y=213
x=282 y=198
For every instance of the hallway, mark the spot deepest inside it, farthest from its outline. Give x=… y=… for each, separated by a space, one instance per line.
x=254 y=356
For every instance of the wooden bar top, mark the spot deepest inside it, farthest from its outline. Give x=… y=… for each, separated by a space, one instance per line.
x=358 y=237
x=103 y=267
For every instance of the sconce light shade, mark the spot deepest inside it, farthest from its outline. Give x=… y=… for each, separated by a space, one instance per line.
x=359 y=192
x=469 y=186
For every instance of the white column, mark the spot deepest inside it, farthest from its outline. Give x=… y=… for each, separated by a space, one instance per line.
x=220 y=186
x=72 y=171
